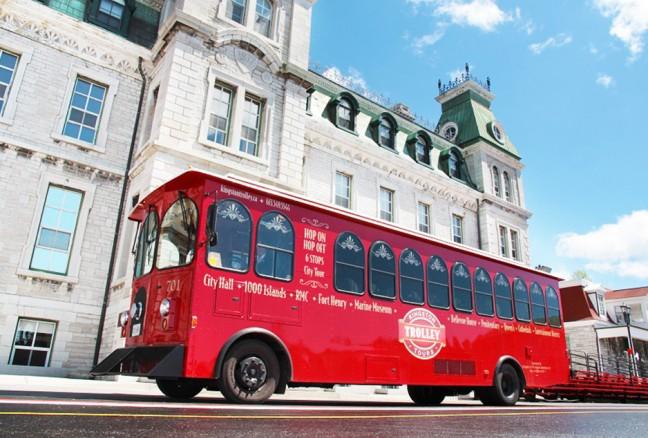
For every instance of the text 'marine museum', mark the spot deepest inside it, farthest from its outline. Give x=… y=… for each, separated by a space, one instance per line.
x=218 y=85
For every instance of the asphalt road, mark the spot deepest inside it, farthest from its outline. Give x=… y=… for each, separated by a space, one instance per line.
x=80 y=415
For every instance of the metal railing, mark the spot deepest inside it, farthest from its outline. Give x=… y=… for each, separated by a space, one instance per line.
x=614 y=365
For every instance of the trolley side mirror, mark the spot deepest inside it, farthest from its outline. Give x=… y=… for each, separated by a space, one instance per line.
x=212 y=235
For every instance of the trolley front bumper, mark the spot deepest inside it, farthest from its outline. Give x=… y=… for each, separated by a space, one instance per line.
x=152 y=362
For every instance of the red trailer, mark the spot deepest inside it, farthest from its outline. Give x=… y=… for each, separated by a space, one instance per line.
x=246 y=289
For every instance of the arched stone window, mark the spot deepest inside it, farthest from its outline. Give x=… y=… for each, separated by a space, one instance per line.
x=508 y=189
x=263 y=17
x=419 y=147
x=496 y=182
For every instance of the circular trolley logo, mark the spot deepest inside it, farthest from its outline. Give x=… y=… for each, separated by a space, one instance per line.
x=422 y=333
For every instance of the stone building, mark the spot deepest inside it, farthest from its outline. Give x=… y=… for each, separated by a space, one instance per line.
x=227 y=89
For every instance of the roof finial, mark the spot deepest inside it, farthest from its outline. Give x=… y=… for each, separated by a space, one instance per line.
x=488 y=83
x=439 y=84
x=467 y=70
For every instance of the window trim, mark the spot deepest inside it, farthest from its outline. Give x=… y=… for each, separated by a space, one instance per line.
x=393 y=204
x=364 y=265
x=74 y=262
x=112 y=86
x=428 y=207
x=400 y=276
x=256 y=247
x=92 y=11
x=452 y=228
x=497 y=183
x=48 y=361
x=370 y=271
x=250 y=242
x=24 y=58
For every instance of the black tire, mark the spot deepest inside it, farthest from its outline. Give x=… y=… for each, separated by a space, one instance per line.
x=250 y=372
x=183 y=389
x=425 y=395
x=507 y=389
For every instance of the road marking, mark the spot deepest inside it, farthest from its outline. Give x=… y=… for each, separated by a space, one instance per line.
x=305 y=417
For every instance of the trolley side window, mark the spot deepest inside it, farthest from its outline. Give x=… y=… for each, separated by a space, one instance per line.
x=483 y=293
x=553 y=307
x=178 y=234
x=521 y=294
x=229 y=230
x=275 y=247
x=146 y=245
x=503 y=298
x=382 y=271
x=438 y=288
x=411 y=277
x=349 y=264
x=538 y=304
x=461 y=288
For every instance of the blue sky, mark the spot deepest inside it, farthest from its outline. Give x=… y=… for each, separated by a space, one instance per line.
x=571 y=85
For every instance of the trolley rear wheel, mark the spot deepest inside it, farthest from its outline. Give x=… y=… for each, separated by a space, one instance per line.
x=425 y=395
x=506 y=391
x=250 y=372
x=180 y=388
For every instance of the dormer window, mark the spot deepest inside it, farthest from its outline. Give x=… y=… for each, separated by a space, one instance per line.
x=342 y=111
x=263 y=20
x=453 y=164
x=386 y=133
x=454 y=169
x=110 y=13
x=236 y=10
x=345 y=114
x=419 y=147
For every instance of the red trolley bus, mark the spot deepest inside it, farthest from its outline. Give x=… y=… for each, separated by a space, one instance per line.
x=247 y=290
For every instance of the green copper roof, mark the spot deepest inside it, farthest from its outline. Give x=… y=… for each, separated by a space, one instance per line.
x=471 y=112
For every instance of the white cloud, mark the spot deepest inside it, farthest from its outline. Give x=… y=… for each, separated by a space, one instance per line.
x=420 y=43
x=621 y=247
x=605 y=80
x=353 y=80
x=629 y=22
x=556 y=41
x=593 y=49
x=482 y=14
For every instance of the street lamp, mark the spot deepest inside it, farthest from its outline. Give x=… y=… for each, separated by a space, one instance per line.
x=626 y=311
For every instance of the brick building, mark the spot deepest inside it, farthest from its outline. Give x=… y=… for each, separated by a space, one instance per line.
x=226 y=87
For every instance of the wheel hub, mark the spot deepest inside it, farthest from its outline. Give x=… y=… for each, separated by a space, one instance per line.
x=252 y=372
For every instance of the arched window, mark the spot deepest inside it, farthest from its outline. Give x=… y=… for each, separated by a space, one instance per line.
x=349 y=264
x=411 y=277
x=508 y=194
x=386 y=133
x=275 y=247
x=345 y=114
x=503 y=298
x=454 y=165
x=236 y=10
x=145 y=254
x=382 y=271
x=521 y=294
x=422 y=150
x=229 y=229
x=483 y=293
x=178 y=234
x=263 y=20
x=553 y=307
x=538 y=304
x=437 y=282
x=461 y=288
x=496 y=182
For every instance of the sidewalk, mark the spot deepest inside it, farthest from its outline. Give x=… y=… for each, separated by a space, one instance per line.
x=137 y=387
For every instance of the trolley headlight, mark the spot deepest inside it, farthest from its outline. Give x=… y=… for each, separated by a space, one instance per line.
x=135 y=310
x=123 y=318
x=165 y=307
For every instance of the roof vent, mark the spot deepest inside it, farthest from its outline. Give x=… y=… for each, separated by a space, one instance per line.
x=403 y=110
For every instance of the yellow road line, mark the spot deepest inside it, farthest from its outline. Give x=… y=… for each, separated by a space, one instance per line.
x=308 y=417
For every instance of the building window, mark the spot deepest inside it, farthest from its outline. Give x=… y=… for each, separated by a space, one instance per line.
x=457 y=228
x=263 y=21
x=412 y=286
x=236 y=10
x=83 y=117
x=508 y=194
x=218 y=129
x=345 y=114
x=382 y=271
x=515 y=245
x=386 y=133
x=251 y=126
x=422 y=150
x=178 y=234
x=73 y=8
x=8 y=66
x=496 y=182
x=503 y=239
x=454 y=165
x=229 y=231
x=349 y=264
x=423 y=213
x=437 y=282
x=275 y=247
x=32 y=343
x=110 y=13
x=56 y=230
x=342 y=189
x=386 y=204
